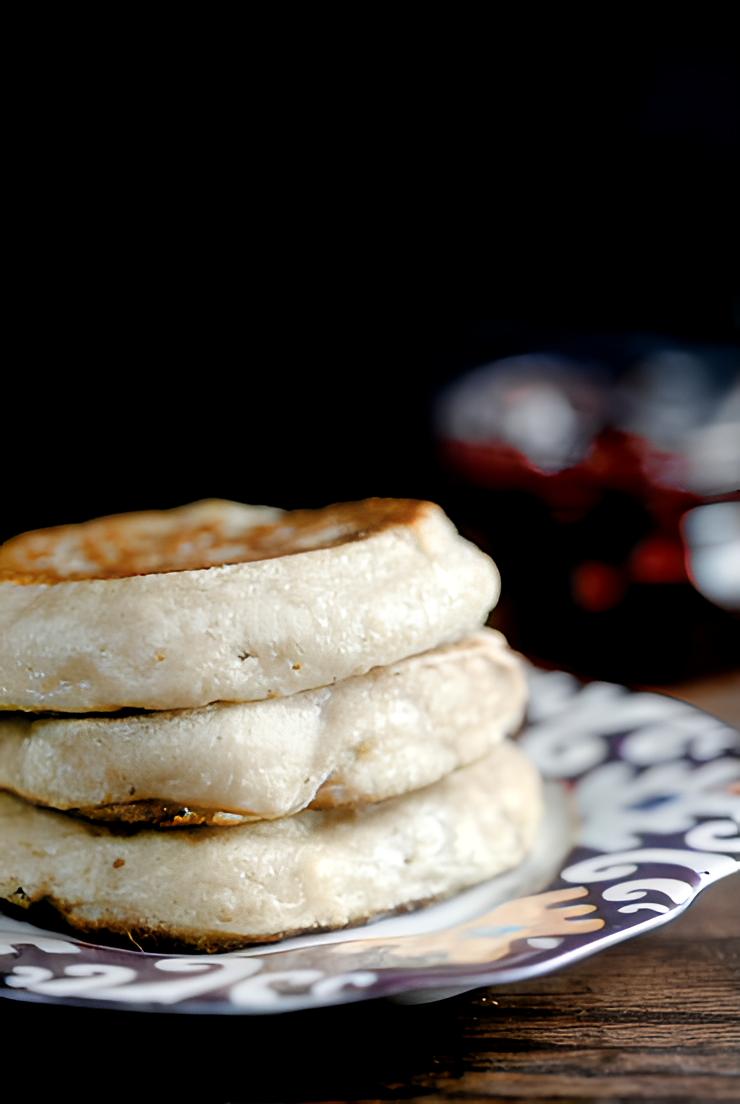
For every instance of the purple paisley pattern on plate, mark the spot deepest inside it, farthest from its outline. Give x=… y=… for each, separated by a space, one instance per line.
x=655 y=788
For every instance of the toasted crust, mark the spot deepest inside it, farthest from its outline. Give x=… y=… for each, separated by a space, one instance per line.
x=192 y=538
x=299 y=603
x=209 y=889
x=53 y=915
x=391 y=731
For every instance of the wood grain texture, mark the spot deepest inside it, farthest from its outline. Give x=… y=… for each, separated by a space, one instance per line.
x=719 y=695
x=654 y=1019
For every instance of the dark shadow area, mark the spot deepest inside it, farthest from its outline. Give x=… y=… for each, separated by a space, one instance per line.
x=376 y=1050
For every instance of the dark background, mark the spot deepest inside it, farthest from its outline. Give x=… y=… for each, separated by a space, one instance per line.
x=318 y=412
x=257 y=297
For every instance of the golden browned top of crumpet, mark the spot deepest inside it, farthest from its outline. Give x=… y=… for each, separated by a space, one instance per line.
x=201 y=535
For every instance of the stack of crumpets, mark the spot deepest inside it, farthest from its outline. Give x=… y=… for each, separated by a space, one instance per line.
x=225 y=724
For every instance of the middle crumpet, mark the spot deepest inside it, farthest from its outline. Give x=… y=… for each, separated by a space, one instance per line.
x=379 y=735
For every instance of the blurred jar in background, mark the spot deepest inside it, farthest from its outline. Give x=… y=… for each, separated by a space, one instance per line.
x=607 y=491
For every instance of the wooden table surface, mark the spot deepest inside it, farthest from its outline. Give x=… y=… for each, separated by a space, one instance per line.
x=656 y=1018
